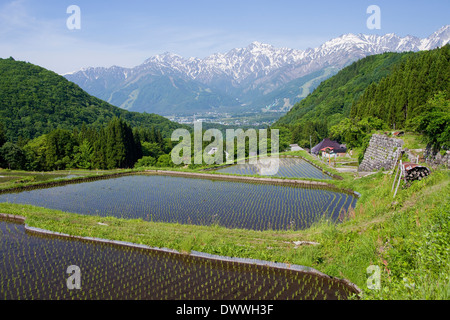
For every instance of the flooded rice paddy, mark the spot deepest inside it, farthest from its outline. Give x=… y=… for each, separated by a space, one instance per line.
x=34 y=266
x=288 y=168
x=193 y=201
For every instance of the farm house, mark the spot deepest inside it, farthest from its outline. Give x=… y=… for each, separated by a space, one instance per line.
x=327 y=143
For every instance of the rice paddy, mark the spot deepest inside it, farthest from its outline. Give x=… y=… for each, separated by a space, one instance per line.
x=193 y=201
x=288 y=168
x=34 y=266
x=17 y=177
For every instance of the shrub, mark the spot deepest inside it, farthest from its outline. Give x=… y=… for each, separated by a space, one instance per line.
x=147 y=161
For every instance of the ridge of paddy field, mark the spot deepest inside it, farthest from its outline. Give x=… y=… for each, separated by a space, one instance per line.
x=393 y=234
x=250 y=261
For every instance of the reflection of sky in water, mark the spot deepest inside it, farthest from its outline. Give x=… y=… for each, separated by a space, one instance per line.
x=188 y=200
x=287 y=167
x=33 y=267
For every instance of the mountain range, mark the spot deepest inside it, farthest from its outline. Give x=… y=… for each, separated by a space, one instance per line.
x=35 y=101
x=258 y=77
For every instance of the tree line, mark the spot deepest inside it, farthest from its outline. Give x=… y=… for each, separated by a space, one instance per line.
x=117 y=145
x=399 y=98
x=414 y=97
x=408 y=91
x=35 y=101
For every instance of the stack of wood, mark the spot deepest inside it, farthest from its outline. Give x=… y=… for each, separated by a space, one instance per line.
x=412 y=171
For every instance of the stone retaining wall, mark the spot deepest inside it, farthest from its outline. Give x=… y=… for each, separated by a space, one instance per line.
x=435 y=159
x=383 y=152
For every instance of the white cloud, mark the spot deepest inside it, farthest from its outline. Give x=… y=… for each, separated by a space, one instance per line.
x=46 y=41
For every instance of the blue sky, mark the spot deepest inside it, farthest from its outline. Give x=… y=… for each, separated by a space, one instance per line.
x=125 y=33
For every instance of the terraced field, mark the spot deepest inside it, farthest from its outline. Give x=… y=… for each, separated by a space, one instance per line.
x=193 y=201
x=288 y=168
x=34 y=267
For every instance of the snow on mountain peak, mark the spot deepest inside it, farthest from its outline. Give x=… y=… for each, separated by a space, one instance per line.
x=443 y=30
x=262 y=61
x=438 y=39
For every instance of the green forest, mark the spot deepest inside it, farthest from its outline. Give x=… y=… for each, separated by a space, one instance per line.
x=117 y=145
x=49 y=123
x=408 y=91
x=34 y=101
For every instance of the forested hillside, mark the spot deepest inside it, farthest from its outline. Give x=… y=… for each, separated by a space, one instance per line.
x=49 y=123
x=35 y=101
x=308 y=122
x=334 y=97
x=414 y=97
x=388 y=91
x=398 y=98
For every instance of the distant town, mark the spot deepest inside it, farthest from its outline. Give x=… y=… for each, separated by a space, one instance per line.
x=254 y=119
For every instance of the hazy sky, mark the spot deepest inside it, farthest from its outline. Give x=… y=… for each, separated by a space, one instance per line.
x=125 y=33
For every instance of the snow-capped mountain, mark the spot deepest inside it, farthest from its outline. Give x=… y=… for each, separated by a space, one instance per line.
x=169 y=83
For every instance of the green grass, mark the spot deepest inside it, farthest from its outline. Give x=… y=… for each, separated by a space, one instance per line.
x=407 y=237
x=413 y=141
x=10 y=179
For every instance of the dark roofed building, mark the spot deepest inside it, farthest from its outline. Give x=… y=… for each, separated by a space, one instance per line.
x=327 y=143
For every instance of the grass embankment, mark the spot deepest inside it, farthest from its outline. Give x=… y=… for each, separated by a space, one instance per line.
x=16 y=180
x=407 y=237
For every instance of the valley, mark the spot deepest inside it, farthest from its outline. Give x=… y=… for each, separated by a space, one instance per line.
x=257 y=77
x=113 y=185
x=248 y=119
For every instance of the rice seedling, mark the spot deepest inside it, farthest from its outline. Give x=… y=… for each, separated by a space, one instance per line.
x=193 y=201
x=288 y=168
x=34 y=268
